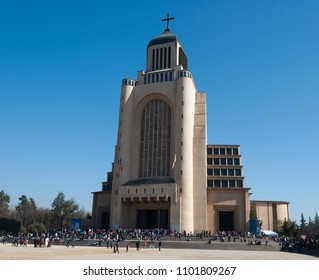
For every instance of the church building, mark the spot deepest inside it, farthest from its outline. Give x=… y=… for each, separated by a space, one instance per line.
x=164 y=174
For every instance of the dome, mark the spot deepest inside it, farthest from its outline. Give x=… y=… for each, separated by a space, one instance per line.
x=165 y=37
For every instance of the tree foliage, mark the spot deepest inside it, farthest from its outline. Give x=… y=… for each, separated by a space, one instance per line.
x=9 y=226
x=26 y=210
x=4 y=204
x=312 y=228
x=37 y=228
x=303 y=223
x=288 y=228
x=63 y=211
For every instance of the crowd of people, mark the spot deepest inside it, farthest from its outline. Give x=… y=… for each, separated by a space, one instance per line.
x=146 y=238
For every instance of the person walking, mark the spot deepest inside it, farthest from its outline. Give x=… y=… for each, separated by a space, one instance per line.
x=159 y=245
x=117 y=247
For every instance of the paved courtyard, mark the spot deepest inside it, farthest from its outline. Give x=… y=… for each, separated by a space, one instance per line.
x=8 y=252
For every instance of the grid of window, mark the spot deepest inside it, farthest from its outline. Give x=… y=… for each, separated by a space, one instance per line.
x=224 y=172
x=158 y=77
x=155 y=146
x=224 y=168
x=222 y=151
x=224 y=183
x=225 y=161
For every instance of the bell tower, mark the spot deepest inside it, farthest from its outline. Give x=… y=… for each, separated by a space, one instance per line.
x=159 y=174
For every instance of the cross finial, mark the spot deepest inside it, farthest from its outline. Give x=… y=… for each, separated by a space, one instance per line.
x=167 y=19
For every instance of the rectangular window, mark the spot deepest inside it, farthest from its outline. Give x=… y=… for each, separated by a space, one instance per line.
x=222 y=151
x=153 y=61
x=224 y=172
x=239 y=183
x=232 y=183
x=223 y=161
x=216 y=151
x=231 y=172
x=224 y=183
x=235 y=151
x=236 y=161
x=216 y=161
x=161 y=58
x=209 y=171
x=238 y=172
x=210 y=183
x=157 y=58
x=230 y=161
x=165 y=57
x=217 y=183
x=209 y=151
x=169 y=57
x=209 y=161
x=216 y=172
x=228 y=151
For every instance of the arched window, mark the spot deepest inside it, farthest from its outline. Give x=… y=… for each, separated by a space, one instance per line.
x=155 y=146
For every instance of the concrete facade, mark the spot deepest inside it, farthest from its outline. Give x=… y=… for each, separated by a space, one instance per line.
x=164 y=173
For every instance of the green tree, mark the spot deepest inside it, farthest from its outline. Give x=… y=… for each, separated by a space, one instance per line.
x=23 y=229
x=37 y=228
x=253 y=214
x=63 y=211
x=316 y=220
x=9 y=225
x=310 y=222
x=289 y=228
x=303 y=223
x=26 y=210
x=4 y=204
x=44 y=216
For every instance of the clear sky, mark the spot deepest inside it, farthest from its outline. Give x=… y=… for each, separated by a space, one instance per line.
x=61 y=66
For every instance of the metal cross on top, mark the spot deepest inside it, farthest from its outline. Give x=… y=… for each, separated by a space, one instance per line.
x=167 y=19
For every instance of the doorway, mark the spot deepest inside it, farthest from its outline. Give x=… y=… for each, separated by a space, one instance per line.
x=152 y=218
x=226 y=220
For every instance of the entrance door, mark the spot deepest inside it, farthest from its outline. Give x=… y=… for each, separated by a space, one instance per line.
x=105 y=220
x=226 y=220
x=152 y=218
x=147 y=218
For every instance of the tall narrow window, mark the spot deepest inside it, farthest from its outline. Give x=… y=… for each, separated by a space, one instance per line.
x=161 y=58
x=153 y=61
x=165 y=57
x=155 y=146
x=157 y=58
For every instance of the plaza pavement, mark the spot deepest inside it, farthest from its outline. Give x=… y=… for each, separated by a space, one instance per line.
x=8 y=252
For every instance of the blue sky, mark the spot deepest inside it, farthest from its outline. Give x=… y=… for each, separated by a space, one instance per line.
x=61 y=66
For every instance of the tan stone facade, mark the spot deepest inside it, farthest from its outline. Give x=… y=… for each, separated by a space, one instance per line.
x=270 y=213
x=164 y=174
